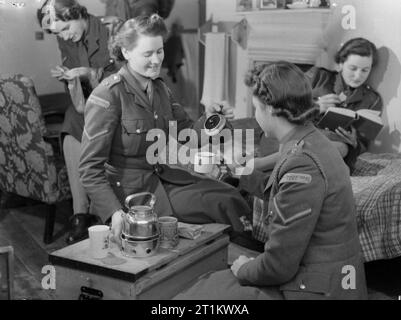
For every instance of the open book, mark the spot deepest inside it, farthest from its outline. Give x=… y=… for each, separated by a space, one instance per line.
x=367 y=122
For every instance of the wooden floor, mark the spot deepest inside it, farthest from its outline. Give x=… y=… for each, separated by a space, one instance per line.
x=22 y=227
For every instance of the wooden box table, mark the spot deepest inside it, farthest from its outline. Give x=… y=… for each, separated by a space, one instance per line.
x=161 y=276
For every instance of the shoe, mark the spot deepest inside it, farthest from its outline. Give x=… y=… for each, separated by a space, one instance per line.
x=79 y=224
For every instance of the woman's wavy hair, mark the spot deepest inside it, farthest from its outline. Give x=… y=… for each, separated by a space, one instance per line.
x=283 y=86
x=64 y=10
x=358 y=46
x=130 y=31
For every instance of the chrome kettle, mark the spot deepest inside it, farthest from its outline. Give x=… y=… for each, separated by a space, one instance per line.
x=140 y=222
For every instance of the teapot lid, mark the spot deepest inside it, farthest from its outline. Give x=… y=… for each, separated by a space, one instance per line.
x=142 y=209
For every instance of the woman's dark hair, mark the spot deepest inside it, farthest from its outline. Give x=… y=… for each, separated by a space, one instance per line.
x=357 y=46
x=64 y=10
x=128 y=34
x=283 y=86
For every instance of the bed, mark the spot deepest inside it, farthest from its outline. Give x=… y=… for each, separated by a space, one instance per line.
x=376 y=184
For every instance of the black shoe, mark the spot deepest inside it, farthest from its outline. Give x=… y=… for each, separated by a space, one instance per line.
x=79 y=224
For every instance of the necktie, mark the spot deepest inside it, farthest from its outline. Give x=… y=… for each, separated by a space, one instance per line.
x=149 y=91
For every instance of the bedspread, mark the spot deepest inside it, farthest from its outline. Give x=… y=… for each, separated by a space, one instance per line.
x=376 y=184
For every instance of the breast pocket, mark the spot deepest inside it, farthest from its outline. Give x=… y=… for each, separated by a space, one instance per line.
x=134 y=133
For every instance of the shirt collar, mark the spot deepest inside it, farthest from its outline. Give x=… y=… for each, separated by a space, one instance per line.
x=143 y=81
x=353 y=94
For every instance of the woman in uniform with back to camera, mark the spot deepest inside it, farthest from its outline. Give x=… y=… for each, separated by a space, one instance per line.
x=313 y=249
x=119 y=114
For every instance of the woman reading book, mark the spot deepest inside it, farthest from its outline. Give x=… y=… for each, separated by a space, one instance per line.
x=346 y=88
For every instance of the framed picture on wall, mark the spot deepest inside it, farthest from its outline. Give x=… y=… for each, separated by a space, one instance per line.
x=268 y=4
x=244 y=5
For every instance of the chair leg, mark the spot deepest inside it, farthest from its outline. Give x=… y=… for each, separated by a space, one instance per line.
x=49 y=223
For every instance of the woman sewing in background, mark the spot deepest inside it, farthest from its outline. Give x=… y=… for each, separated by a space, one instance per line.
x=310 y=221
x=346 y=89
x=120 y=113
x=83 y=43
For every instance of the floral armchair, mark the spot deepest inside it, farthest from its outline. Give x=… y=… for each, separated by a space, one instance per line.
x=28 y=165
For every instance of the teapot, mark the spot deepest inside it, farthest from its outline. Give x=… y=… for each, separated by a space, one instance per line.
x=140 y=222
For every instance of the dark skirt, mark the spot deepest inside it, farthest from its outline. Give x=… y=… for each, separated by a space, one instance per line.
x=73 y=124
x=223 y=285
x=189 y=198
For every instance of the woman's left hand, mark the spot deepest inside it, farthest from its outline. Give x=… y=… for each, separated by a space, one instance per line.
x=238 y=263
x=222 y=107
x=80 y=72
x=349 y=138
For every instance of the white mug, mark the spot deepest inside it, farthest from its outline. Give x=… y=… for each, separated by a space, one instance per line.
x=99 y=241
x=204 y=162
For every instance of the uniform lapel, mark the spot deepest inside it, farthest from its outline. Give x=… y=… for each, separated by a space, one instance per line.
x=355 y=96
x=133 y=87
x=92 y=37
x=338 y=84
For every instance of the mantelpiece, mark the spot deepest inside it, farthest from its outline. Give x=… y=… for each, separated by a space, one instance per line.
x=293 y=35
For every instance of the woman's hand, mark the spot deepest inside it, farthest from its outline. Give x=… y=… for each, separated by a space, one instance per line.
x=223 y=107
x=349 y=138
x=238 y=263
x=327 y=101
x=117 y=226
x=63 y=73
x=58 y=72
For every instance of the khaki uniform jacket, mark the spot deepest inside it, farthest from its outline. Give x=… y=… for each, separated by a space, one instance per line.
x=311 y=223
x=92 y=52
x=364 y=97
x=118 y=117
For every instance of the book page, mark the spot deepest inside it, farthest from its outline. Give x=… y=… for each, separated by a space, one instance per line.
x=371 y=115
x=346 y=112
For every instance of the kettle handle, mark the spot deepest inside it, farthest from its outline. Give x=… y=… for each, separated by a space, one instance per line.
x=137 y=195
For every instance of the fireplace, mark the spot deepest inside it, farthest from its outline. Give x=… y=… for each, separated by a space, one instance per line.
x=292 y=35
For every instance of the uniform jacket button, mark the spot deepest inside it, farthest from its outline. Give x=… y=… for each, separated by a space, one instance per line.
x=138 y=131
x=156 y=116
x=302 y=286
x=118 y=184
x=158 y=169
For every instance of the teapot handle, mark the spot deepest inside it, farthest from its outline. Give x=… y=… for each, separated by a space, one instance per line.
x=137 y=195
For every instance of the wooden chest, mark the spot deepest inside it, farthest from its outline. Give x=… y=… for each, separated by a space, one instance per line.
x=162 y=276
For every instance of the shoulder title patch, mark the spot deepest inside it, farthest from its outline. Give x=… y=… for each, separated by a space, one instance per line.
x=296 y=178
x=99 y=101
